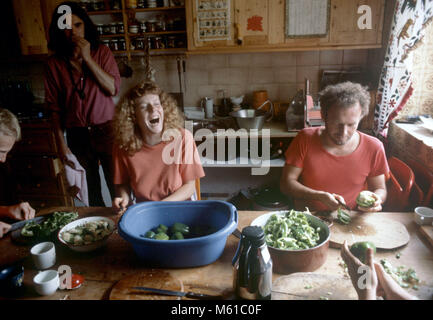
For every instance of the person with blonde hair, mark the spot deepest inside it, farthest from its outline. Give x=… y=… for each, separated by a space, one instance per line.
x=10 y=132
x=154 y=157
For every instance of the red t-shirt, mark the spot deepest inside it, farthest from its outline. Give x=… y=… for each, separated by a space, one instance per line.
x=157 y=171
x=60 y=95
x=344 y=175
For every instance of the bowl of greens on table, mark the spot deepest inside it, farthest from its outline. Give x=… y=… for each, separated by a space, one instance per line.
x=297 y=240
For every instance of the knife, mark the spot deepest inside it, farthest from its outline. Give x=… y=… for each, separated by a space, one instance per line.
x=20 y=224
x=345 y=206
x=191 y=295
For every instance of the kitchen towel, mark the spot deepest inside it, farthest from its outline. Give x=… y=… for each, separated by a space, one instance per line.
x=76 y=177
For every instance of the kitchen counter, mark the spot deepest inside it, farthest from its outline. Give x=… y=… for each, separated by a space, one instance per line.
x=103 y=268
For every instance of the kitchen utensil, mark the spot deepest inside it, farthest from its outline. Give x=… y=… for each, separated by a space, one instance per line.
x=252 y=266
x=43 y=255
x=237 y=101
x=11 y=278
x=423 y=215
x=288 y=261
x=179 y=73
x=345 y=206
x=147 y=278
x=269 y=198
x=385 y=233
x=19 y=225
x=87 y=247
x=140 y=218
x=208 y=107
x=46 y=282
x=191 y=295
x=427 y=231
x=259 y=99
x=250 y=118
x=313 y=286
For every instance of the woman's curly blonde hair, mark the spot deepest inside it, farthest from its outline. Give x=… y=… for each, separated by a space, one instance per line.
x=127 y=133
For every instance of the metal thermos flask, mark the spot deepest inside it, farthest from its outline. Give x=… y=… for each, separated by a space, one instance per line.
x=252 y=266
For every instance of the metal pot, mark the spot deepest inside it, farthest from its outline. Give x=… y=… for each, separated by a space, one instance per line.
x=252 y=118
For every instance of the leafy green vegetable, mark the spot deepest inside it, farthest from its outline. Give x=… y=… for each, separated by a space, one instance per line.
x=343 y=216
x=365 y=199
x=55 y=222
x=404 y=278
x=291 y=231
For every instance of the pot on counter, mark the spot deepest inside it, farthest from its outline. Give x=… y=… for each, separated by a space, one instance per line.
x=252 y=118
x=269 y=198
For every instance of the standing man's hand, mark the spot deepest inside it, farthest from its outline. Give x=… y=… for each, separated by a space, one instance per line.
x=4 y=228
x=22 y=211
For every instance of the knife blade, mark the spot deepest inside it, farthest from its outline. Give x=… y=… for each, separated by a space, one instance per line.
x=192 y=295
x=20 y=224
x=345 y=206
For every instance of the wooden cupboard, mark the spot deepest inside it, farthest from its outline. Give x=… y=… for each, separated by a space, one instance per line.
x=270 y=15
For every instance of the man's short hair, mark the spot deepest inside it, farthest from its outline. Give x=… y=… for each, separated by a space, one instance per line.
x=9 y=125
x=345 y=95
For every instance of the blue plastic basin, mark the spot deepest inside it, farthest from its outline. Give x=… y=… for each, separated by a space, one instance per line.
x=140 y=218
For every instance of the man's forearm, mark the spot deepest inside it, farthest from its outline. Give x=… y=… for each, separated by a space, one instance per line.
x=381 y=193
x=105 y=80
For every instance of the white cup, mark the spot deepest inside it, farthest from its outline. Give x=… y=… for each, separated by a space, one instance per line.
x=44 y=255
x=208 y=109
x=46 y=282
x=423 y=216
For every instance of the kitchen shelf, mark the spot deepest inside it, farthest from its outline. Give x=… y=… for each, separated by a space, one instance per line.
x=155 y=9
x=105 y=12
x=241 y=162
x=120 y=35
x=135 y=35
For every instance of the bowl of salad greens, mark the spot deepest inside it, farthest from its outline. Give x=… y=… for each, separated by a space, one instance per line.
x=297 y=240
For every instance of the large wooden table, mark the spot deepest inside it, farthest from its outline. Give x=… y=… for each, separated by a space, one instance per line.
x=102 y=269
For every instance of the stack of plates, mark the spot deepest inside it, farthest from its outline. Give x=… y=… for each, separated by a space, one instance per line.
x=151 y=3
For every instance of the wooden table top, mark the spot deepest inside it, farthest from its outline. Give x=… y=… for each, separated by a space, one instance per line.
x=103 y=268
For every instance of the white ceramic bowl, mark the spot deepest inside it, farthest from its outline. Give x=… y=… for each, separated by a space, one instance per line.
x=46 y=282
x=423 y=216
x=87 y=247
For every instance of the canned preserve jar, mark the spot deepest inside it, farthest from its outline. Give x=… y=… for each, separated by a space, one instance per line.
x=113 y=28
x=114 y=45
x=133 y=28
x=122 y=45
x=100 y=28
x=120 y=28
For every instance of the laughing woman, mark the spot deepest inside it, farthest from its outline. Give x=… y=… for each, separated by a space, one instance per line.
x=154 y=157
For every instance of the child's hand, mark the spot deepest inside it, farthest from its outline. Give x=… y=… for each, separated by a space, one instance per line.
x=120 y=203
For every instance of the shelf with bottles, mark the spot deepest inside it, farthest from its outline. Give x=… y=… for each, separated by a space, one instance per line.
x=159 y=33
x=101 y=7
x=156 y=9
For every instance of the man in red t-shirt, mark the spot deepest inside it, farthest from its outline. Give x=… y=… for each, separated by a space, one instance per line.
x=325 y=165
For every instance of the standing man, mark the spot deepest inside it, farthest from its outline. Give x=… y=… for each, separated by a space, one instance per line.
x=80 y=80
x=10 y=132
x=325 y=165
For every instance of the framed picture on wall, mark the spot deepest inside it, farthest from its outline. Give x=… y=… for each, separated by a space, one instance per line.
x=307 y=18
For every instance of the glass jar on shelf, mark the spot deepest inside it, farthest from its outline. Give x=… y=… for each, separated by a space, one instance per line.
x=113 y=28
x=84 y=4
x=106 y=42
x=120 y=28
x=106 y=28
x=159 y=43
x=131 y=4
x=141 y=4
x=142 y=26
x=171 y=42
x=100 y=28
x=169 y=24
x=133 y=28
x=160 y=25
x=114 y=45
x=139 y=43
x=115 y=4
x=151 y=26
x=122 y=44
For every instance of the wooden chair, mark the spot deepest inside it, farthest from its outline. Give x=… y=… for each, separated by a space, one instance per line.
x=197 y=189
x=424 y=179
x=399 y=185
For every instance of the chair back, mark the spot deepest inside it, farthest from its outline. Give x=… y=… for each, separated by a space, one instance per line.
x=399 y=185
x=424 y=179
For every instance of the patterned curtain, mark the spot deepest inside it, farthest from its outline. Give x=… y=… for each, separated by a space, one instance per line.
x=395 y=86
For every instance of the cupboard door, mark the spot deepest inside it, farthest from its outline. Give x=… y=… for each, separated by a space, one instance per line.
x=30 y=25
x=344 y=29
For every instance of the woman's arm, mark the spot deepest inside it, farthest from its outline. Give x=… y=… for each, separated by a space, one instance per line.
x=183 y=193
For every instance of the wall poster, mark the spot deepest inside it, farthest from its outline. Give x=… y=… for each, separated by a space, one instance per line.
x=213 y=20
x=307 y=18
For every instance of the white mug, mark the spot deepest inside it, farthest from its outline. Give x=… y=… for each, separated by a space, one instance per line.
x=44 y=255
x=423 y=216
x=46 y=282
x=208 y=110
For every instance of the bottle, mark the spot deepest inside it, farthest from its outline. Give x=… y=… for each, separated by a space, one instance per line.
x=252 y=266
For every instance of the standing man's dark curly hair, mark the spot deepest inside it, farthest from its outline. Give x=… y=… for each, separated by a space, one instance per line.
x=58 y=42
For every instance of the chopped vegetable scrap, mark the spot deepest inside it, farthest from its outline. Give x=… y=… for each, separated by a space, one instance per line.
x=53 y=223
x=291 y=231
x=343 y=216
x=87 y=233
x=405 y=278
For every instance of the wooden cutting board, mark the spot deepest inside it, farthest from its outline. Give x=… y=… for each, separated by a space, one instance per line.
x=313 y=286
x=158 y=279
x=427 y=231
x=385 y=233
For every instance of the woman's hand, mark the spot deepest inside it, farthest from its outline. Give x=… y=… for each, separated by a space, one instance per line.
x=391 y=289
x=376 y=207
x=82 y=47
x=22 y=211
x=4 y=228
x=364 y=277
